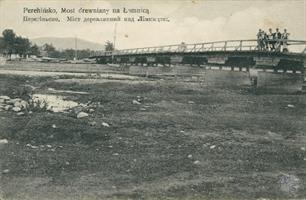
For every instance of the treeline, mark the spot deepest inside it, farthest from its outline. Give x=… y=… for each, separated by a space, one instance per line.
x=11 y=44
x=50 y=51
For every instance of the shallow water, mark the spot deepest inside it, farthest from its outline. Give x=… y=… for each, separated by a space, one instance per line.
x=39 y=73
x=52 y=90
x=76 y=74
x=87 y=81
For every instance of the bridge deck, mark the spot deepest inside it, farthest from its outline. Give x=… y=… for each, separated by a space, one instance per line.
x=231 y=53
x=228 y=45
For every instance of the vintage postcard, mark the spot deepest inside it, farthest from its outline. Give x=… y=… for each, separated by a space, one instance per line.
x=130 y=99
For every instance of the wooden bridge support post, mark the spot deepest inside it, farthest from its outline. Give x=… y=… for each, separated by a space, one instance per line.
x=240 y=69
x=303 y=70
x=232 y=68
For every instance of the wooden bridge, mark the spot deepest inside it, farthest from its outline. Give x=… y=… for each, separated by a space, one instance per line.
x=231 y=62
x=243 y=54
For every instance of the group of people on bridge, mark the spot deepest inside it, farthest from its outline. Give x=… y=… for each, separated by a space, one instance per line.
x=272 y=41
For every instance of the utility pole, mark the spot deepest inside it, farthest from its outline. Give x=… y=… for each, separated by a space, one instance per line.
x=114 y=42
x=75 y=48
x=115 y=35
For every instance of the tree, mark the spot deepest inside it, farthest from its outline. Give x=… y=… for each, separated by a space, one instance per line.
x=48 y=48
x=51 y=51
x=9 y=41
x=2 y=45
x=85 y=53
x=69 y=54
x=22 y=46
x=34 y=50
x=109 y=46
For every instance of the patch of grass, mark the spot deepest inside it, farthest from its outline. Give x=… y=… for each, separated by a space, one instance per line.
x=39 y=130
x=38 y=105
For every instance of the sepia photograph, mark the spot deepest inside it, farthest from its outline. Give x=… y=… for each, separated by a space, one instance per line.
x=152 y=100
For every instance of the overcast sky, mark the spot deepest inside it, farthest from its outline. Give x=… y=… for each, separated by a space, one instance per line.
x=191 y=21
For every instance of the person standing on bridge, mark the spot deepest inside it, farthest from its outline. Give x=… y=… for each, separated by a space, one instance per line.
x=260 y=40
x=271 y=40
x=285 y=37
x=265 y=41
x=277 y=37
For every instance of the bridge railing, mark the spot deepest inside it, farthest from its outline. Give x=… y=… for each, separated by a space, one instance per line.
x=228 y=45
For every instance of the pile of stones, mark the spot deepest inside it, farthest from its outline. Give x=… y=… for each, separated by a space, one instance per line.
x=17 y=105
